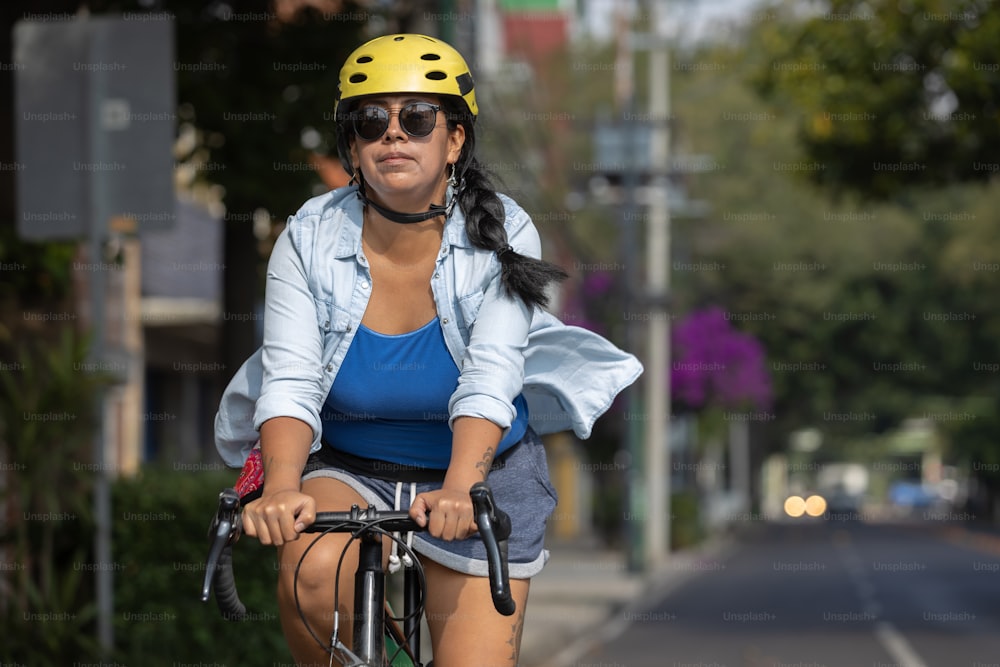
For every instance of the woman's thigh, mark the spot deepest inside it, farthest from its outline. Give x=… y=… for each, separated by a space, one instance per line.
x=463 y=623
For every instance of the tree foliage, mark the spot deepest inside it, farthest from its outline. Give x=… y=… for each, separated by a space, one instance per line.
x=888 y=94
x=872 y=312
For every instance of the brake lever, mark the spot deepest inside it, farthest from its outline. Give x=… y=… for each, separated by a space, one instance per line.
x=494 y=528
x=224 y=531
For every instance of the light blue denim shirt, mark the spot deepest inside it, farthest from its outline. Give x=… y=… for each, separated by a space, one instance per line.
x=318 y=286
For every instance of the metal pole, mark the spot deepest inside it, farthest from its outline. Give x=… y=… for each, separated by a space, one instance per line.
x=97 y=235
x=657 y=445
x=635 y=516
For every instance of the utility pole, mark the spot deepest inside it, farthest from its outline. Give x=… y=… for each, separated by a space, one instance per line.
x=657 y=445
x=625 y=131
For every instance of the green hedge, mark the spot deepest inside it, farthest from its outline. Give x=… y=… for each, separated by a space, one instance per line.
x=161 y=523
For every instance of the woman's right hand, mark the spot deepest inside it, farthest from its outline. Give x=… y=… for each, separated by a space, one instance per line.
x=279 y=517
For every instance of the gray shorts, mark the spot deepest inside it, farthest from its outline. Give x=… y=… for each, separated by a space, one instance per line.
x=521 y=488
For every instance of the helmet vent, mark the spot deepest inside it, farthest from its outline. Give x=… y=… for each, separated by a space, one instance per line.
x=363 y=59
x=430 y=56
x=358 y=78
x=436 y=75
x=398 y=38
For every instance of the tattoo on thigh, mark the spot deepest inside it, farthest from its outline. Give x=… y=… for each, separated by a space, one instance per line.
x=515 y=637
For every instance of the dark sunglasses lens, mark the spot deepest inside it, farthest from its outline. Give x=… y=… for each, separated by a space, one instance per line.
x=418 y=120
x=371 y=122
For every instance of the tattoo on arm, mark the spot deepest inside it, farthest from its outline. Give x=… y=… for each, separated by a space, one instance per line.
x=484 y=465
x=515 y=637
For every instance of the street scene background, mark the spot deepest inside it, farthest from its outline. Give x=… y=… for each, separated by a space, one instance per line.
x=786 y=210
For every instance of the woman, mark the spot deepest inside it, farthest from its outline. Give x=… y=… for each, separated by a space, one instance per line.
x=406 y=357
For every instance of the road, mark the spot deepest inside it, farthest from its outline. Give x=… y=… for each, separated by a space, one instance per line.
x=832 y=594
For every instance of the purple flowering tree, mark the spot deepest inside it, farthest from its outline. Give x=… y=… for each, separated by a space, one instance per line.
x=716 y=369
x=717 y=366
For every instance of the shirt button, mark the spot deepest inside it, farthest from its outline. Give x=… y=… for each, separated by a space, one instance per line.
x=364 y=284
x=437 y=275
x=444 y=321
x=326 y=325
x=329 y=367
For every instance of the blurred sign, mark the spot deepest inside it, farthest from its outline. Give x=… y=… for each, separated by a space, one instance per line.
x=95 y=124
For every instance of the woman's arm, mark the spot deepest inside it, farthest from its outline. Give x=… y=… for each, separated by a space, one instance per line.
x=474 y=444
x=482 y=407
x=282 y=511
x=287 y=410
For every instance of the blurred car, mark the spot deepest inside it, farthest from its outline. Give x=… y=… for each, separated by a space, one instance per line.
x=843 y=506
x=910 y=495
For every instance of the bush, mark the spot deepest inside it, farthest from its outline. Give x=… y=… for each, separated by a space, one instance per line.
x=46 y=527
x=160 y=542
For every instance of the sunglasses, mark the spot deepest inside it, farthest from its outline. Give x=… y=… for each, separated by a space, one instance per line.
x=417 y=119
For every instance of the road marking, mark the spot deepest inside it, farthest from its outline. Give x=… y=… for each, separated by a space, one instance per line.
x=895 y=643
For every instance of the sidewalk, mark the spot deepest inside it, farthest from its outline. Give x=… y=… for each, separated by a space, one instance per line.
x=585 y=594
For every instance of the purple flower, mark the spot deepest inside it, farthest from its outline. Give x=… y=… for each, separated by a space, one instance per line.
x=716 y=365
x=597 y=284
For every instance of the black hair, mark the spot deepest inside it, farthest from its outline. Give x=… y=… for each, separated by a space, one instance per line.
x=521 y=276
x=524 y=277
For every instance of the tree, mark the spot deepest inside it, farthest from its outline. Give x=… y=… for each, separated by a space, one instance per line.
x=715 y=365
x=914 y=101
x=872 y=311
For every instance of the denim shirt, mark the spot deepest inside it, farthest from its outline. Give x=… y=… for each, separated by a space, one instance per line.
x=318 y=286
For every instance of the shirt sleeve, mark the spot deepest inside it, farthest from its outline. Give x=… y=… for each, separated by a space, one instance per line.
x=293 y=347
x=492 y=373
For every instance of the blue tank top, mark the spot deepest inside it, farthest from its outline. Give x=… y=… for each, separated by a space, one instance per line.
x=389 y=400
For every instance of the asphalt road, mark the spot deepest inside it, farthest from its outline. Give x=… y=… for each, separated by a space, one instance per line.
x=832 y=594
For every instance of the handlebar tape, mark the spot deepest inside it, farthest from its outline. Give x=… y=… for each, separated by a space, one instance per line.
x=494 y=528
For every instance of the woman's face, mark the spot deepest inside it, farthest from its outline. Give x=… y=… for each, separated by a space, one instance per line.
x=396 y=166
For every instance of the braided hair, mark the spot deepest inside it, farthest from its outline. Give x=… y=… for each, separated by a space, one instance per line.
x=521 y=276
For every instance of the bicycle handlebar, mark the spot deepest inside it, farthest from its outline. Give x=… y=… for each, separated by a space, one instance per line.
x=494 y=527
x=227 y=526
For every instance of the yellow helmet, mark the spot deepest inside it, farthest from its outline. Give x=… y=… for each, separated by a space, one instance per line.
x=406 y=63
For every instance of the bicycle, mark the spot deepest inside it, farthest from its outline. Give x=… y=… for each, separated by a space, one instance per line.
x=378 y=640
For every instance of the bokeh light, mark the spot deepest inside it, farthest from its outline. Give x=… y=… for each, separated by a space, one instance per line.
x=815 y=505
x=795 y=506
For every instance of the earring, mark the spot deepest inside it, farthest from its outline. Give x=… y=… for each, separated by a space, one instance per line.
x=452 y=181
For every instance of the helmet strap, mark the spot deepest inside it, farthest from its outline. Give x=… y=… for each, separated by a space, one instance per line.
x=434 y=211
x=408 y=218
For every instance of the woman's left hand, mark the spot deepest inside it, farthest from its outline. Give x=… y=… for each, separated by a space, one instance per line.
x=446 y=513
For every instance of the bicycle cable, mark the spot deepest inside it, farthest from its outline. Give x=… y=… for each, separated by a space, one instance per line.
x=363 y=526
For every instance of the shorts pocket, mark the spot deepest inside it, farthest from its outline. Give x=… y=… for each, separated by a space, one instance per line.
x=540 y=466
